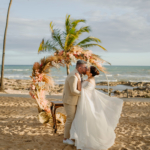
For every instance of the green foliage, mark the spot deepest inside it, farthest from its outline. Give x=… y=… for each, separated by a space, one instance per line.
x=65 y=40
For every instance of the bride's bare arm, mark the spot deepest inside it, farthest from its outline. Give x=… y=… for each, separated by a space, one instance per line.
x=79 y=82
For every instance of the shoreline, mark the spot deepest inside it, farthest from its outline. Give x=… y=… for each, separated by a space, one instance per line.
x=119 y=89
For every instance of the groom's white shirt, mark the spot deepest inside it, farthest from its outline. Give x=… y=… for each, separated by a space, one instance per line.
x=71 y=94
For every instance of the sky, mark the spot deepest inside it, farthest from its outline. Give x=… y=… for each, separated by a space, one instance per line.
x=123 y=26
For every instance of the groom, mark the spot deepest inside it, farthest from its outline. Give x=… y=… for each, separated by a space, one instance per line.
x=71 y=96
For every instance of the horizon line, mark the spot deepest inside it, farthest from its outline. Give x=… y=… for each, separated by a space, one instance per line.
x=73 y=65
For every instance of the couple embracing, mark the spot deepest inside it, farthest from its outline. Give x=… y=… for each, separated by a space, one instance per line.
x=92 y=116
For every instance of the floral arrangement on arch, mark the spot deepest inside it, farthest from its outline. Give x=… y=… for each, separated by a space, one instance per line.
x=41 y=82
x=77 y=52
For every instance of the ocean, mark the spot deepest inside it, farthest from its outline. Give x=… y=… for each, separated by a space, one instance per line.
x=116 y=73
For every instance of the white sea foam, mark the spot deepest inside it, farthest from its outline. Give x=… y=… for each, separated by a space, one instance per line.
x=98 y=76
x=139 y=81
x=17 y=69
x=136 y=76
x=60 y=80
x=16 y=76
x=108 y=80
x=109 y=75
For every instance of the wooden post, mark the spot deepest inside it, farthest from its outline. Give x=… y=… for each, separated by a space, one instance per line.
x=68 y=70
x=109 y=93
x=127 y=93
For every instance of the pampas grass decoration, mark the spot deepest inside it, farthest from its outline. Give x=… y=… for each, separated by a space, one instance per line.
x=49 y=80
x=43 y=117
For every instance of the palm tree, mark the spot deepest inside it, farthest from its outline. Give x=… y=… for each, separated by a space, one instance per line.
x=68 y=38
x=4 y=43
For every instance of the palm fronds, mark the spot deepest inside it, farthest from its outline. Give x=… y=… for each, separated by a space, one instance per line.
x=89 y=39
x=83 y=29
x=67 y=24
x=76 y=22
x=47 y=46
x=57 y=36
x=91 y=45
x=67 y=39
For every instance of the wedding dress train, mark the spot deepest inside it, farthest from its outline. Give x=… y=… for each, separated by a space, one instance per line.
x=96 y=118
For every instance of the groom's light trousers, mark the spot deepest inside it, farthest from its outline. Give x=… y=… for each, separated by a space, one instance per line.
x=70 y=111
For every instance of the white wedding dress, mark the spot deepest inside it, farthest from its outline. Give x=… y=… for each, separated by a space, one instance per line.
x=96 y=118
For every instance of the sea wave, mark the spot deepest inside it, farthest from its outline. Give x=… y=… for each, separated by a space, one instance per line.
x=108 y=80
x=132 y=74
x=98 y=76
x=17 y=69
x=135 y=76
x=109 y=75
x=60 y=80
x=139 y=81
x=16 y=76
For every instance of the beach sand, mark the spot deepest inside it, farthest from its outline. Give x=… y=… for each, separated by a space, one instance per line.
x=21 y=130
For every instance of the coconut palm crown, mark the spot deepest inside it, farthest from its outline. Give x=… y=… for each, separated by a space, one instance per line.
x=65 y=40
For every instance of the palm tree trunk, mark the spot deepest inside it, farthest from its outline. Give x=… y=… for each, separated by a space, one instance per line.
x=4 y=43
x=68 y=70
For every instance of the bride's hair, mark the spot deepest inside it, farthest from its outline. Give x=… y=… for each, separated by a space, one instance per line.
x=94 y=71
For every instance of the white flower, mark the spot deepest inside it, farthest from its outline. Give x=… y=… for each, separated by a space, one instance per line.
x=41 y=84
x=33 y=87
x=73 y=58
x=55 y=65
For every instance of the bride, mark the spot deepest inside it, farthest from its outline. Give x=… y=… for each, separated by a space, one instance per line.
x=96 y=117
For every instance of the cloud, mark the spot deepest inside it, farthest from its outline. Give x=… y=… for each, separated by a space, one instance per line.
x=25 y=34
x=138 y=5
x=122 y=26
x=121 y=32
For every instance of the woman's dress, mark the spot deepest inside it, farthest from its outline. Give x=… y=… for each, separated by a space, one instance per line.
x=96 y=118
